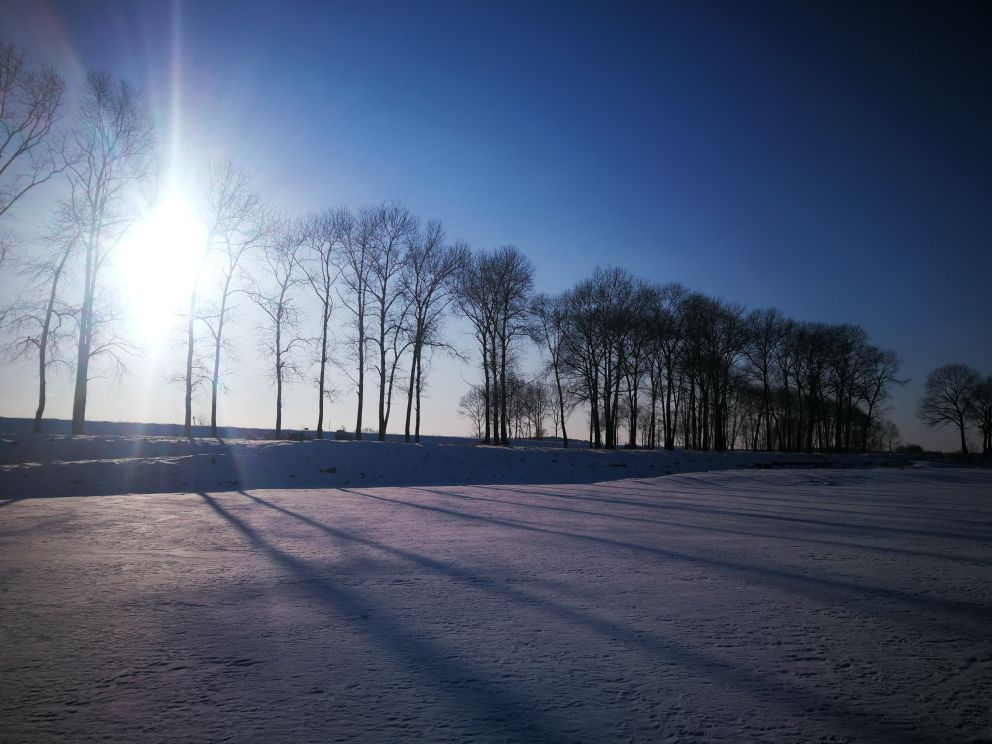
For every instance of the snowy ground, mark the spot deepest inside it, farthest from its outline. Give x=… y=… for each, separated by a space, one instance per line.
x=764 y=605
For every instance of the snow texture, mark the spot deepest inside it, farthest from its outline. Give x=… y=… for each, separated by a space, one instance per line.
x=745 y=605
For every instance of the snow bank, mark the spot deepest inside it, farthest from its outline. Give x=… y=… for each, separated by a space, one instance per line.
x=52 y=465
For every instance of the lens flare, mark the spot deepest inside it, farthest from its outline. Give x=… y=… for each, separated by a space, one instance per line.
x=158 y=265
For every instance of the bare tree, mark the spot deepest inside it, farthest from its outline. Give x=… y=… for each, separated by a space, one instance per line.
x=274 y=297
x=876 y=371
x=884 y=437
x=31 y=153
x=236 y=223
x=356 y=256
x=764 y=336
x=671 y=344
x=475 y=302
x=601 y=310
x=494 y=293
x=389 y=306
x=634 y=351
x=428 y=283
x=42 y=327
x=511 y=276
x=472 y=406
x=947 y=398
x=549 y=331
x=30 y=108
x=535 y=400
x=220 y=186
x=113 y=143
x=324 y=235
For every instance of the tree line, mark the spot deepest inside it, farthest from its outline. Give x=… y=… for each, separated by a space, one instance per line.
x=390 y=273
x=660 y=365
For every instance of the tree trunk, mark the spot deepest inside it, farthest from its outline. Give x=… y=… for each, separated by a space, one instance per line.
x=486 y=398
x=561 y=407
x=504 y=435
x=188 y=421
x=420 y=387
x=279 y=377
x=594 y=415
x=215 y=382
x=390 y=384
x=218 y=345
x=42 y=364
x=654 y=411
x=85 y=340
x=361 y=365
x=496 y=390
x=43 y=346
x=669 y=413
x=411 y=392
x=323 y=370
x=278 y=401
x=608 y=402
x=382 y=376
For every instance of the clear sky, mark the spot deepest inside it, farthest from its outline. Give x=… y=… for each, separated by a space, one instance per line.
x=829 y=159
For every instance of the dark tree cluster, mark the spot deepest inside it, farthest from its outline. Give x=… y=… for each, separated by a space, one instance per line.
x=958 y=395
x=494 y=291
x=659 y=365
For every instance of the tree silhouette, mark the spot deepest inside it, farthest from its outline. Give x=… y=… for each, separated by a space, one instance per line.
x=324 y=235
x=274 y=296
x=112 y=140
x=947 y=398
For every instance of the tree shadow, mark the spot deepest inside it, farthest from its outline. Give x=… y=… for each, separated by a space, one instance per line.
x=820 y=588
x=830 y=710
x=669 y=504
x=490 y=702
x=790 y=538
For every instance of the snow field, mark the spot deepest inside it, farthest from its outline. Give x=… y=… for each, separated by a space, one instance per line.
x=758 y=605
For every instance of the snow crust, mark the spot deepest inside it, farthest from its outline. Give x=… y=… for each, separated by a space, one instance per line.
x=743 y=605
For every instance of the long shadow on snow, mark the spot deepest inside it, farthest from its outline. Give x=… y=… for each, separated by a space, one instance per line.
x=813 y=705
x=813 y=586
x=873 y=499
x=422 y=655
x=790 y=537
x=669 y=504
x=747 y=487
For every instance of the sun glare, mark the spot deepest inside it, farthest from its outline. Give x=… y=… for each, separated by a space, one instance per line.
x=158 y=264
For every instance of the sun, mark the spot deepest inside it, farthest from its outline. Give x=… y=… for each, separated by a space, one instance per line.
x=157 y=266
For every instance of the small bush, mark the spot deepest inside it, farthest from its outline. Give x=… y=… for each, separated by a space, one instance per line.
x=910 y=449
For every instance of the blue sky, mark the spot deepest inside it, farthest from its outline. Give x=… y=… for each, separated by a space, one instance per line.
x=830 y=160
